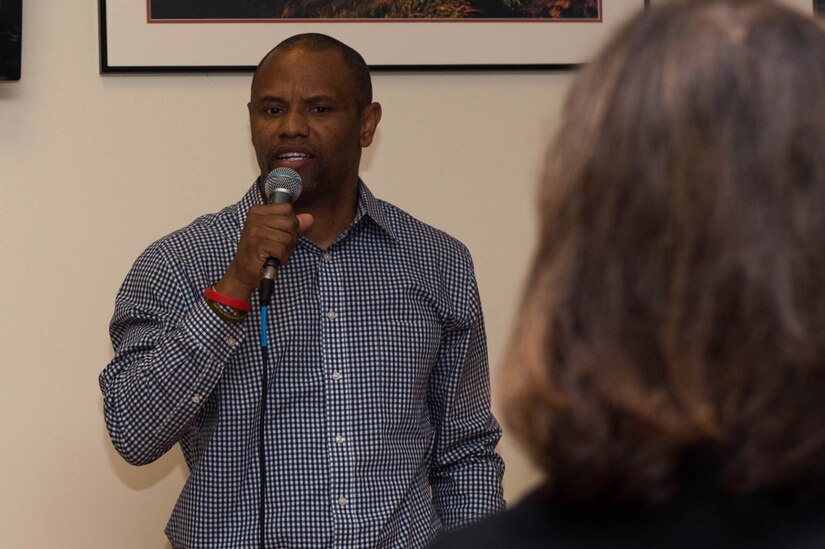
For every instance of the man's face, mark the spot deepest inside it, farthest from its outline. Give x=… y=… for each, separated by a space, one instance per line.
x=304 y=115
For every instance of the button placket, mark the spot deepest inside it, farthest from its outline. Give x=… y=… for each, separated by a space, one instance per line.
x=334 y=355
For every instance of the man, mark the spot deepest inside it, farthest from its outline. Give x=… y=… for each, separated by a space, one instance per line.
x=377 y=429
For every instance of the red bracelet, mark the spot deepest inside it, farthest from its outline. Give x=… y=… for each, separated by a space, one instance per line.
x=237 y=304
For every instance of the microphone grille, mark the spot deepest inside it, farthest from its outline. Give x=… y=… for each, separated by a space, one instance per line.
x=285 y=180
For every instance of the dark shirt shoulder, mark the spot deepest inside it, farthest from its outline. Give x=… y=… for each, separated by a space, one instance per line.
x=692 y=519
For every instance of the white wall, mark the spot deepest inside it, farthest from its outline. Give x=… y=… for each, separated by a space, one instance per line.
x=93 y=168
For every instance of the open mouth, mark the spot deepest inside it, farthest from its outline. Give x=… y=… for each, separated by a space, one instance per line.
x=291 y=159
x=293 y=156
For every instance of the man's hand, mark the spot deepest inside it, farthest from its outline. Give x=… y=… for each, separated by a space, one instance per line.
x=270 y=231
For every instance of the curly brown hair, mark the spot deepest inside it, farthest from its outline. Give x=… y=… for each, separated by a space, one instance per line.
x=677 y=296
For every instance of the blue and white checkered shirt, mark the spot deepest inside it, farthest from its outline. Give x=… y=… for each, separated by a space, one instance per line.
x=379 y=430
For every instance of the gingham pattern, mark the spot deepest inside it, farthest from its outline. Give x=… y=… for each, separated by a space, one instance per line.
x=379 y=386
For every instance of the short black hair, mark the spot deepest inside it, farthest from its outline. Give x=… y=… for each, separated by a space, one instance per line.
x=314 y=41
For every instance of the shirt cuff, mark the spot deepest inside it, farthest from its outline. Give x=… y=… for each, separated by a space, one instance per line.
x=215 y=335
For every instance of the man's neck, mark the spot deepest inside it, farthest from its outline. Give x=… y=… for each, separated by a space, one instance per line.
x=333 y=215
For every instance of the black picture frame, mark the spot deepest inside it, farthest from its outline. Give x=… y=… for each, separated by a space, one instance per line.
x=131 y=43
x=11 y=39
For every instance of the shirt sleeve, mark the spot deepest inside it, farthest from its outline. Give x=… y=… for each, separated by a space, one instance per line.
x=466 y=471
x=170 y=352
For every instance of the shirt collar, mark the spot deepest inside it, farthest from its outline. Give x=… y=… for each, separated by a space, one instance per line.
x=368 y=206
x=373 y=208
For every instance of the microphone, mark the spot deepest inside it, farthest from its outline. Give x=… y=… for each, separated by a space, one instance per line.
x=282 y=186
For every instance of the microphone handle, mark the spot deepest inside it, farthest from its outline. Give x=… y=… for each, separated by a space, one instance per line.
x=270 y=268
x=268 y=273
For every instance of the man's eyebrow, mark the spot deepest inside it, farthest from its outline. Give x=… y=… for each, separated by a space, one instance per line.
x=312 y=99
x=268 y=99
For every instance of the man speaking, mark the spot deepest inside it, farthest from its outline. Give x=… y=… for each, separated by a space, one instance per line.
x=351 y=409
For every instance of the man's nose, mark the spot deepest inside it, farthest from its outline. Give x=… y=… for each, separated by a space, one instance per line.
x=294 y=124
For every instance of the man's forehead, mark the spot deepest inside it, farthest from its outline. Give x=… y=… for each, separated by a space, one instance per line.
x=314 y=55
x=323 y=70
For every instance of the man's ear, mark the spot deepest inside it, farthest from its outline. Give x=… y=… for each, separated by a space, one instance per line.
x=370 y=117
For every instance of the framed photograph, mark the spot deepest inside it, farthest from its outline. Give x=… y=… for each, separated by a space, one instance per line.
x=819 y=7
x=232 y=35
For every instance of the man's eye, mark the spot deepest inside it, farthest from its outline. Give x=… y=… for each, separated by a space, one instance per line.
x=272 y=110
x=320 y=110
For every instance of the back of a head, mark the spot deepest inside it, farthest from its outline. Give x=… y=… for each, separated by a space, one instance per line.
x=677 y=297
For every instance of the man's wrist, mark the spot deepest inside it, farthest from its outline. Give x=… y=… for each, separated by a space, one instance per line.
x=227 y=287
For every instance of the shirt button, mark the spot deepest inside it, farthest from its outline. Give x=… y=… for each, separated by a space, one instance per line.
x=231 y=341
x=196 y=399
x=339 y=439
x=331 y=315
x=327 y=257
x=342 y=502
x=336 y=375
